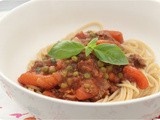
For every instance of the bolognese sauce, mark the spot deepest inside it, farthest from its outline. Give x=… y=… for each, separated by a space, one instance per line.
x=81 y=77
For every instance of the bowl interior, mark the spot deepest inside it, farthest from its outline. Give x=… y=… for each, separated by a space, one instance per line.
x=37 y=24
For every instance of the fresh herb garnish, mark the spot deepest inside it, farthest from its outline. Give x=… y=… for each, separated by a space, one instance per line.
x=65 y=49
x=108 y=53
x=89 y=48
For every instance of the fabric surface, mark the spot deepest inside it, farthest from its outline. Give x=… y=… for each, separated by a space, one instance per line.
x=9 y=110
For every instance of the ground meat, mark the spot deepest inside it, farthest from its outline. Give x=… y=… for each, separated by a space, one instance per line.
x=85 y=78
x=113 y=88
x=37 y=64
x=137 y=61
x=104 y=87
x=88 y=66
x=82 y=37
x=104 y=35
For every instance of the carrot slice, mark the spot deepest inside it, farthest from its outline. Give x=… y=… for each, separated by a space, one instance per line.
x=42 y=81
x=87 y=90
x=28 y=78
x=49 y=93
x=117 y=36
x=108 y=42
x=81 y=94
x=133 y=74
x=81 y=35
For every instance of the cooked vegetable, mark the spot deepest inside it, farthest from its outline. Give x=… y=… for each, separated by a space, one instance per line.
x=106 y=76
x=87 y=75
x=120 y=75
x=42 y=81
x=109 y=68
x=107 y=42
x=81 y=35
x=117 y=36
x=48 y=93
x=74 y=58
x=75 y=73
x=52 y=69
x=87 y=90
x=81 y=94
x=136 y=75
x=100 y=64
x=103 y=69
x=64 y=85
x=87 y=70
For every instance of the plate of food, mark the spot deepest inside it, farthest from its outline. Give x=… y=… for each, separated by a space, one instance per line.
x=70 y=60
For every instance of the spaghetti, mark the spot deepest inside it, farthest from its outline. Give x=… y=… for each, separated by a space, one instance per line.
x=127 y=89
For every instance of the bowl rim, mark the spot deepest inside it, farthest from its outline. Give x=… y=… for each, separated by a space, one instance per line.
x=91 y=104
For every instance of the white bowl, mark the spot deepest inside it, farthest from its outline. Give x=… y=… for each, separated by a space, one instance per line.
x=34 y=25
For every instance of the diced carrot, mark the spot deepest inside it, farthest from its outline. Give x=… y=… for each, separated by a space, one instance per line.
x=117 y=36
x=81 y=35
x=113 y=78
x=59 y=64
x=108 y=42
x=81 y=94
x=87 y=90
x=48 y=93
x=133 y=74
x=42 y=81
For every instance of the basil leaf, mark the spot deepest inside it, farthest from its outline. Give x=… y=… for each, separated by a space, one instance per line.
x=65 y=49
x=88 y=50
x=92 y=43
x=110 y=53
x=90 y=46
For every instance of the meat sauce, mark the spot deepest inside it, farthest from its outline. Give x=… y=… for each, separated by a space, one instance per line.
x=80 y=73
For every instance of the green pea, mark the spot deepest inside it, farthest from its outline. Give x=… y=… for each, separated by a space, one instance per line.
x=64 y=73
x=88 y=57
x=120 y=75
x=100 y=64
x=38 y=69
x=69 y=81
x=67 y=61
x=52 y=69
x=45 y=69
x=75 y=73
x=86 y=85
x=109 y=68
x=103 y=69
x=74 y=58
x=69 y=67
x=92 y=34
x=44 y=58
x=106 y=76
x=53 y=60
x=87 y=75
x=64 y=85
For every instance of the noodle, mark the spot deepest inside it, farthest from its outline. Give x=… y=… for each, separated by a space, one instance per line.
x=128 y=90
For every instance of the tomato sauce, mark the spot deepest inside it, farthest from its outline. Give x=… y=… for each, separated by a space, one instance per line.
x=81 y=78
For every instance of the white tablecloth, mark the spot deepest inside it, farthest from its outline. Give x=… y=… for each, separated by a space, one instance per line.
x=9 y=110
